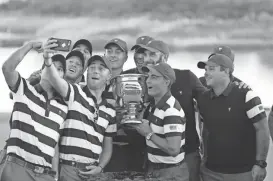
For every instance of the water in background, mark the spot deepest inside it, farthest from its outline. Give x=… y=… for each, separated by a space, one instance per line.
x=254 y=68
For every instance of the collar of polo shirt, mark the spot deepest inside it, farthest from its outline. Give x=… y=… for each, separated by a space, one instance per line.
x=162 y=101
x=225 y=93
x=89 y=94
x=56 y=95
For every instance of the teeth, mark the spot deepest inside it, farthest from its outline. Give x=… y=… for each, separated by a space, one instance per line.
x=72 y=70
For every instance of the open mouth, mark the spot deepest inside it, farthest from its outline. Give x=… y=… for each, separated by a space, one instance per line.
x=150 y=87
x=72 y=70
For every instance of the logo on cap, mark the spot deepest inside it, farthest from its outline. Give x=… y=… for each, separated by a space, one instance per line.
x=149 y=42
x=220 y=48
x=115 y=40
x=142 y=38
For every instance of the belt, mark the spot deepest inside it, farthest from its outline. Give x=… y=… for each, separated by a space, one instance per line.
x=158 y=166
x=78 y=165
x=34 y=168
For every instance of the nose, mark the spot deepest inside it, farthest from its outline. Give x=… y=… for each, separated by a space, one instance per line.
x=206 y=73
x=148 y=80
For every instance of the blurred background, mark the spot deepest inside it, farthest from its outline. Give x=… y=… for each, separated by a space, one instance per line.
x=191 y=28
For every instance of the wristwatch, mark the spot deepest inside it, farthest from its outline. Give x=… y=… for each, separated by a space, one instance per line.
x=148 y=137
x=261 y=163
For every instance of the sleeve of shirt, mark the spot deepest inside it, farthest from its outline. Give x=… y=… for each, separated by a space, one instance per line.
x=254 y=108
x=20 y=88
x=196 y=85
x=72 y=90
x=111 y=129
x=173 y=122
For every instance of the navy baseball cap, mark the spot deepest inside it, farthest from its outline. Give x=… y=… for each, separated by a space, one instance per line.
x=224 y=50
x=217 y=59
x=84 y=42
x=120 y=43
x=163 y=68
x=103 y=59
x=154 y=46
x=142 y=40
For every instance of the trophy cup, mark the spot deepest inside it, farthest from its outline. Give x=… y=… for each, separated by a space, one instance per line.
x=130 y=93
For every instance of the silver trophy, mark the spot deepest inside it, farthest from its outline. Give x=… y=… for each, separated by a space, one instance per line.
x=131 y=95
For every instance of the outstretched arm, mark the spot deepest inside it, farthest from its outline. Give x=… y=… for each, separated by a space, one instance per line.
x=9 y=66
x=59 y=84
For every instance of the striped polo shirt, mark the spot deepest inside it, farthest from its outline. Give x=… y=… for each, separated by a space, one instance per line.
x=166 y=120
x=229 y=119
x=36 y=123
x=86 y=126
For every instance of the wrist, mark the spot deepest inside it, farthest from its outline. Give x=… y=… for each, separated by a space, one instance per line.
x=261 y=163
x=149 y=135
x=48 y=64
x=101 y=168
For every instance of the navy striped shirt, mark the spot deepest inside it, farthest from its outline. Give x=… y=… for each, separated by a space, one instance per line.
x=166 y=120
x=36 y=122
x=86 y=126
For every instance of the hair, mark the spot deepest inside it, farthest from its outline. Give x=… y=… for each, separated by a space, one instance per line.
x=163 y=57
x=229 y=71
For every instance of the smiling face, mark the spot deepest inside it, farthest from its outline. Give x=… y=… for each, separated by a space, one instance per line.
x=116 y=56
x=74 y=68
x=98 y=75
x=139 y=61
x=157 y=85
x=153 y=57
x=214 y=75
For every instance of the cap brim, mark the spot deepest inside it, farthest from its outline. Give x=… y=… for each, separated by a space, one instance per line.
x=201 y=65
x=97 y=57
x=76 y=54
x=114 y=43
x=135 y=47
x=145 y=69
x=147 y=48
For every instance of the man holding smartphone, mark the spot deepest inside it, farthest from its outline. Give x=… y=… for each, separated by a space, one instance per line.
x=86 y=141
x=82 y=45
x=37 y=117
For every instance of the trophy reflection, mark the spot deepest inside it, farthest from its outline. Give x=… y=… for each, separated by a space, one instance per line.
x=130 y=93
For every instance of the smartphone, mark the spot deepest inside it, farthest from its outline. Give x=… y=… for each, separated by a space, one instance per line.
x=63 y=44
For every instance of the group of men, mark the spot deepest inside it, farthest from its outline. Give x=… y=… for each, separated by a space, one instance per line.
x=66 y=128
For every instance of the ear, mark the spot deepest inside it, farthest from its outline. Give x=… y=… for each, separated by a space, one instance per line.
x=168 y=82
x=165 y=58
x=227 y=71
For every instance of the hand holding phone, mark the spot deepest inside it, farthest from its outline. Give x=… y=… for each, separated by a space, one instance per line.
x=63 y=44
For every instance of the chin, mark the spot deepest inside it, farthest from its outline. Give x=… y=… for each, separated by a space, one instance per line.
x=151 y=93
